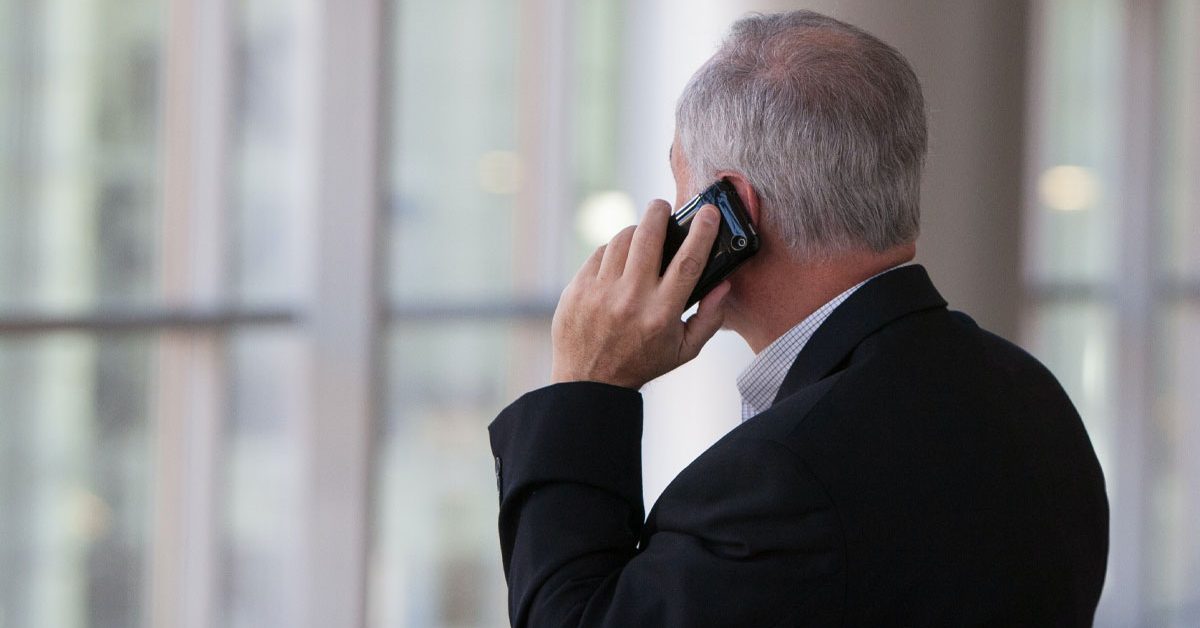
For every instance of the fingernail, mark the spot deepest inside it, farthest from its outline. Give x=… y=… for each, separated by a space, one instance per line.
x=708 y=215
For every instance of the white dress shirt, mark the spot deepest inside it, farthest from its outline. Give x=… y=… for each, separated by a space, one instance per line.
x=760 y=382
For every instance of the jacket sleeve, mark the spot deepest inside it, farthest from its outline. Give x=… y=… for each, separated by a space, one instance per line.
x=743 y=537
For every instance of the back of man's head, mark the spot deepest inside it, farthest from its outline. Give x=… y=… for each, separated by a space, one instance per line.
x=827 y=123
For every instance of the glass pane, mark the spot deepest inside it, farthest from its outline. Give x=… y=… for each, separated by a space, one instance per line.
x=601 y=207
x=469 y=217
x=468 y=222
x=75 y=480
x=1076 y=341
x=260 y=580
x=454 y=168
x=1077 y=133
x=1175 y=468
x=436 y=556
x=79 y=127
x=1180 y=135
x=266 y=166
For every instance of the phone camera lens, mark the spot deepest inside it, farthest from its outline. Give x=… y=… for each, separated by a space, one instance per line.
x=739 y=243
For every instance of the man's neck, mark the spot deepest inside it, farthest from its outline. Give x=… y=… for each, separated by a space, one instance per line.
x=780 y=293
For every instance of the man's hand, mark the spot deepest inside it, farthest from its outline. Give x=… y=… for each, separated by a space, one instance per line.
x=618 y=322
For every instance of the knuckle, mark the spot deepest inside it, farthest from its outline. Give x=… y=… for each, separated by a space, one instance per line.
x=624 y=307
x=568 y=292
x=659 y=318
x=617 y=238
x=690 y=266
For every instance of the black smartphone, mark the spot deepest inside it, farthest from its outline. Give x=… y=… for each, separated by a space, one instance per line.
x=736 y=242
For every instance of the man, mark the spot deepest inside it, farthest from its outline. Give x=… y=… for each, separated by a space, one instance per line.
x=897 y=465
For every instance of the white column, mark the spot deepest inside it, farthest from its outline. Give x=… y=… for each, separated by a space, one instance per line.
x=344 y=314
x=666 y=42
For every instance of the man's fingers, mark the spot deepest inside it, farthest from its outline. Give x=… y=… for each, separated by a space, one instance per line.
x=613 y=262
x=685 y=268
x=591 y=266
x=645 y=252
x=704 y=323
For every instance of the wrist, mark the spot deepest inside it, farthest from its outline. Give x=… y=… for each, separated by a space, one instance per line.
x=566 y=375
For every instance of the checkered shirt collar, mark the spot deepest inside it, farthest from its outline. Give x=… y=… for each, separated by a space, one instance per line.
x=760 y=382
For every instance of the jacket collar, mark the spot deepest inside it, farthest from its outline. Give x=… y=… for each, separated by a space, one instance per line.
x=880 y=301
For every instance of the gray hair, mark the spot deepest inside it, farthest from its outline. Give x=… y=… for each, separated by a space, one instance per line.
x=827 y=123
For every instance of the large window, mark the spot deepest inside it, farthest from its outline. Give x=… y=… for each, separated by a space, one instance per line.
x=1114 y=267
x=216 y=373
x=150 y=354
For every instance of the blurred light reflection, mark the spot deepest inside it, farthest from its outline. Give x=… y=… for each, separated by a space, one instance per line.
x=603 y=214
x=1068 y=188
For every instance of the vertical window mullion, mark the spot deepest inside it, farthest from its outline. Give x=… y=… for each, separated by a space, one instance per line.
x=1130 y=489
x=344 y=310
x=191 y=365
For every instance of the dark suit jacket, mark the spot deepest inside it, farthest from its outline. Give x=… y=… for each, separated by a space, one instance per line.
x=914 y=470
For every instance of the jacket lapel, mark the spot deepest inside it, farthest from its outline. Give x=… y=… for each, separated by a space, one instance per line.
x=880 y=301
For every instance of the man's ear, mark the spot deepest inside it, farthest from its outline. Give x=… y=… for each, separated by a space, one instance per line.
x=746 y=192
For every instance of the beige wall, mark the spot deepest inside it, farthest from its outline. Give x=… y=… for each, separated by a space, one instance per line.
x=970 y=56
